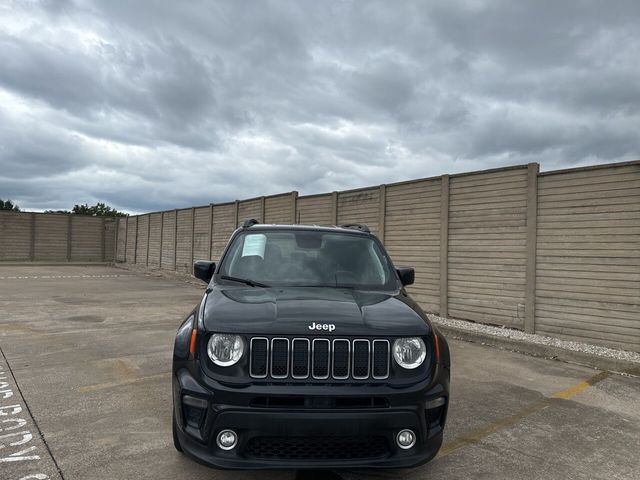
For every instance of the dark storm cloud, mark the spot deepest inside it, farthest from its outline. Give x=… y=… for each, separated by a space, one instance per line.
x=155 y=104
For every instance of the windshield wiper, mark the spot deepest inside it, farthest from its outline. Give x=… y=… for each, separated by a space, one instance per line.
x=246 y=281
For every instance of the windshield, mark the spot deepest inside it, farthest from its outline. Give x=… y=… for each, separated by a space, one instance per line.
x=310 y=259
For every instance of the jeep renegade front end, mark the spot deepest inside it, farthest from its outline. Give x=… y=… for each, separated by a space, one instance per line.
x=306 y=352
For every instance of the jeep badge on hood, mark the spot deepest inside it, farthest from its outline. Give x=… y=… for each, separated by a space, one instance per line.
x=322 y=326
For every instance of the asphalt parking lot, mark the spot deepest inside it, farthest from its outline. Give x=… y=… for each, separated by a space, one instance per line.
x=85 y=393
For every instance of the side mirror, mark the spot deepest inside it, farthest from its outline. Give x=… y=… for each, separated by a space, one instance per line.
x=203 y=269
x=407 y=275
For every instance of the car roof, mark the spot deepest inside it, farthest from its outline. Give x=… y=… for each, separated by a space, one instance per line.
x=318 y=228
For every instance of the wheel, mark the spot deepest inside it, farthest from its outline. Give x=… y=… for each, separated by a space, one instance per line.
x=176 y=440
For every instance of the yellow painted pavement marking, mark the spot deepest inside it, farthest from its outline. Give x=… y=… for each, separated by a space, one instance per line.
x=476 y=435
x=579 y=387
x=107 y=385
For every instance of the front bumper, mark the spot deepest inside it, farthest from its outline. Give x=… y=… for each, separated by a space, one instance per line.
x=318 y=437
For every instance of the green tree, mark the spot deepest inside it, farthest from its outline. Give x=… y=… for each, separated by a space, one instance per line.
x=97 y=210
x=8 y=205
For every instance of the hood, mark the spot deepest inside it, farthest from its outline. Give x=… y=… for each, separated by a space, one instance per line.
x=292 y=310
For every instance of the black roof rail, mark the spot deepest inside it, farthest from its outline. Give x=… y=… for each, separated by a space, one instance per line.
x=357 y=226
x=250 y=222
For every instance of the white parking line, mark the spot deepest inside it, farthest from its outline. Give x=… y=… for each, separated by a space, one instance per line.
x=23 y=455
x=8 y=408
x=29 y=277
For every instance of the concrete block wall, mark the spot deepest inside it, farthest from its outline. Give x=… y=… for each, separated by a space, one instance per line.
x=555 y=252
x=54 y=237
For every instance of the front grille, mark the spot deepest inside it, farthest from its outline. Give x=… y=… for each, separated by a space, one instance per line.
x=319 y=359
x=317 y=448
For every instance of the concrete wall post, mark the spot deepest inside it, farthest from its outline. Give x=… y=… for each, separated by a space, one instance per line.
x=532 y=234
x=444 y=246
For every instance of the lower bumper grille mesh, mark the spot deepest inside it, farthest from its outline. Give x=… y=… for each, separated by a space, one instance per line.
x=317 y=448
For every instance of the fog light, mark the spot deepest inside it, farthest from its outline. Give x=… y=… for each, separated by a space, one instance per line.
x=227 y=439
x=406 y=439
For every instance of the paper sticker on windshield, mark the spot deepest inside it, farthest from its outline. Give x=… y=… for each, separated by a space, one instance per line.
x=254 y=245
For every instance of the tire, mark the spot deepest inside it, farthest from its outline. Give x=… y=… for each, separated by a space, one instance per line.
x=176 y=440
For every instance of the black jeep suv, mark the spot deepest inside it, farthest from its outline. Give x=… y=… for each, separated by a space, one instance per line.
x=307 y=352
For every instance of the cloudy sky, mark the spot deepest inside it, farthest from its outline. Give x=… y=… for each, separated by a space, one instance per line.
x=163 y=104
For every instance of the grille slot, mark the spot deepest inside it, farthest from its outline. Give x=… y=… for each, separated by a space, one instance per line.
x=380 y=359
x=259 y=356
x=279 y=357
x=317 y=448
x=321 y=353
x=361 y=354
x=320 y=358
x=341 y=359
x=300 y=355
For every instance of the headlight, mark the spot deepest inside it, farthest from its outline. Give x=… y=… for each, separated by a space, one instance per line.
x=225 y=349
x=409 y=353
